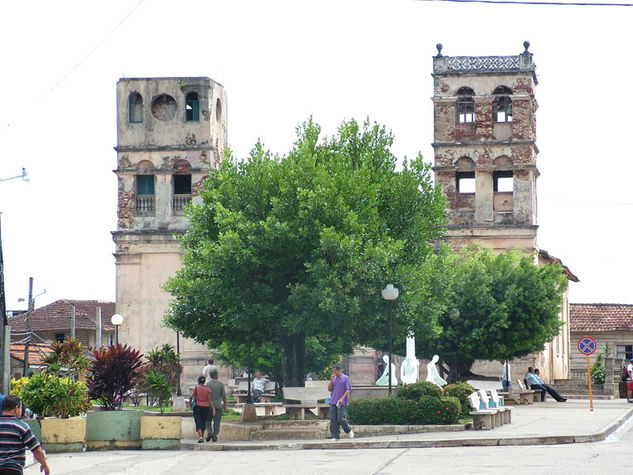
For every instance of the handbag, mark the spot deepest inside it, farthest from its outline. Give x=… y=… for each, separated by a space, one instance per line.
x=193 y=401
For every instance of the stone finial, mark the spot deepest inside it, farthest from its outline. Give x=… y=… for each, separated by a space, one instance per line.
x=439 y=50
x=526 y=45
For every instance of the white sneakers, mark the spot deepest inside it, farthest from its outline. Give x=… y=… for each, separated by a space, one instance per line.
x=351 y=434
x=333 y=439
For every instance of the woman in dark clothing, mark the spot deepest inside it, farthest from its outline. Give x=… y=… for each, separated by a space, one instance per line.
x=202 y=396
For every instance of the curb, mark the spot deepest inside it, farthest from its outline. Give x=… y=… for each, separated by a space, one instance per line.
x=408 y=444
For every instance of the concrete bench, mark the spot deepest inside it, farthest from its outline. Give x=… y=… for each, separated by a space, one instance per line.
x=534 y=393
x=241 y=393
x=483 y=418
x=270 y=408
x=308 y=398
x=495 y=402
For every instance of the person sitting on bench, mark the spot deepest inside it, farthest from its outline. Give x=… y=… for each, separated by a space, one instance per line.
x=259 y=383
x=535 y=382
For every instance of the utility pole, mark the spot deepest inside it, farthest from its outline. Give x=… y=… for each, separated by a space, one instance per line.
x=27 y=344
x=5 y=340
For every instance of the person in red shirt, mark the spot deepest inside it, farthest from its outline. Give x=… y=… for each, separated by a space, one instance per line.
x=202 y=395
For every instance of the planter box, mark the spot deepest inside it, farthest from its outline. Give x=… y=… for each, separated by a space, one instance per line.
x=64 y=435
x=113 y=430
x=161 y=432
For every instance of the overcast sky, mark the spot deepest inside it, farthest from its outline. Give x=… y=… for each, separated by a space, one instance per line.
x=281 y=62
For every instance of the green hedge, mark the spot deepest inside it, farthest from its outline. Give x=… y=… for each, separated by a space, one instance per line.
x=416 y=390
x=461 y=392
x=400 y=411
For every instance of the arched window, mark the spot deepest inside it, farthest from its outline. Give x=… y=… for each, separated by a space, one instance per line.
x=502 y=105
x=192 y=107
x=135 y=108
x=465 y=105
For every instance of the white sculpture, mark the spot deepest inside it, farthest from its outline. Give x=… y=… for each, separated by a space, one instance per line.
x=384 y=378
x=432 y=375
x=409 y=371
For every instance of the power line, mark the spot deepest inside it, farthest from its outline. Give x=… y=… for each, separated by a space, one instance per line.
x=521 y=2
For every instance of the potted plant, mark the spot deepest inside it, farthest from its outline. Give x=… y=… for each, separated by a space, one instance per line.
x=58 y=399
x=112 y=375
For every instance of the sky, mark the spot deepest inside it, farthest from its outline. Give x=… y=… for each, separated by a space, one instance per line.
x=281 y=62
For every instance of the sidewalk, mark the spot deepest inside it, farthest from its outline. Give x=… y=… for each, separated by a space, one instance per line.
x=535 y=424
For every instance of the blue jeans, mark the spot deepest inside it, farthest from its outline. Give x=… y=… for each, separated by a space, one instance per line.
x=338 y=419
x=547 y=388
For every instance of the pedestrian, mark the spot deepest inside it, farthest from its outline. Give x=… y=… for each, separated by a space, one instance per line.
x=206 y=371
x=629 y=381
x=340 y=386
x=218 y=397
x=201 y=402
x=15 y=437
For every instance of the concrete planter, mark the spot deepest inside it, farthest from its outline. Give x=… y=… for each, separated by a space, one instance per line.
x=113 y=430
x=63 y=435
x=161 y=432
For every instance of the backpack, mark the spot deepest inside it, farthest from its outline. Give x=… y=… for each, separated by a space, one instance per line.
x=625 y=374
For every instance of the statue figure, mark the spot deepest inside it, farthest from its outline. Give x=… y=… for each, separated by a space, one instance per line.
x=432 y=374
x=384 y=378
x=409 y=371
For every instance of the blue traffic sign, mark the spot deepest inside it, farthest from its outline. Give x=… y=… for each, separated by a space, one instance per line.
x=587 y=345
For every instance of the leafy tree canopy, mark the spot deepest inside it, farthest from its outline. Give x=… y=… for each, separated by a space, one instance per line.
x=301 y=245
x=503 y=305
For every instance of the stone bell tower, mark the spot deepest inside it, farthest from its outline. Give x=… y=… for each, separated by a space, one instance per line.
x=485 y=149
x=170 y=132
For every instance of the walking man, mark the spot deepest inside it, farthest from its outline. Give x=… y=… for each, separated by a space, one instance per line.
x=340 y=387
x=218 y=396
x=15 y=437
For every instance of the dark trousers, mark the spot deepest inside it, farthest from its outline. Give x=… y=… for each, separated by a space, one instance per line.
x=547 y=388
x=200 y=415
x=338 y=419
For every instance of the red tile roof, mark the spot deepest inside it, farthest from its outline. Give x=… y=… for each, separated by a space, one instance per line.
x=37 y=353
x=56 y=316
x=600 y=317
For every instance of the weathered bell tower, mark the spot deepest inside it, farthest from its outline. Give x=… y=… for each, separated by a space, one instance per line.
x=485 y=149
x=170 y=132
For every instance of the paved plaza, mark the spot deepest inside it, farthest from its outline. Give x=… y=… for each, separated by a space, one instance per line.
x=566 y=437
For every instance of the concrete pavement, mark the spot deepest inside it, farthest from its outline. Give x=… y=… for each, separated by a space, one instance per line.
x=535 y=424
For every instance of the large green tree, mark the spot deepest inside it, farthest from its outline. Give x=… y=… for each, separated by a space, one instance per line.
x=301 y=245
x=503 y=305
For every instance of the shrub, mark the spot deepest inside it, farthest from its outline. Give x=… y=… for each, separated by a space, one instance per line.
x=67 y=358
x=158 y=388
x=52 y=395
x=461 y=392
x=416 y=390
x=17 y=385
x=400 y=411
x=113 y=374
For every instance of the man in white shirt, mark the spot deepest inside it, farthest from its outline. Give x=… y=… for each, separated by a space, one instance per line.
x=207 y=370
x=259 y=384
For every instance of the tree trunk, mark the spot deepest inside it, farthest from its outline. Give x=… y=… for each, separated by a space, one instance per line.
x=459 y=371
x=293 y=355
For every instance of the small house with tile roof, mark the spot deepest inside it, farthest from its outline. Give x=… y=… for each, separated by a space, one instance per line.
x=52 y=322
x=605 y=323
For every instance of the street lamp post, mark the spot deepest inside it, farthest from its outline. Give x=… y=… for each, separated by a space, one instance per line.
x=117 y=320
x=390 y=293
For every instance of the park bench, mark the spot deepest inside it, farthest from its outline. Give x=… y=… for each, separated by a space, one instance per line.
x=270 y=408
x=307 y=399
x=535 y=393
x=494 y=402
x=482 y=418
x=241 y=393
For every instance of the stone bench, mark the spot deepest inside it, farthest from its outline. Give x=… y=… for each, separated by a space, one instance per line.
x=270 y=408
x=307 y=399
x=241 y=393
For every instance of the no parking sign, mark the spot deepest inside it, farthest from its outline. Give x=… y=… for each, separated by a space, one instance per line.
x=587 y=346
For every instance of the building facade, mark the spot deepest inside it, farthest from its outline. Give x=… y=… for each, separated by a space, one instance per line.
x=485 y=163
x=170 y=132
